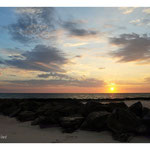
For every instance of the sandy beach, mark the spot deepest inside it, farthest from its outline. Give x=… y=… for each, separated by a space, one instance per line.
x=12 y=131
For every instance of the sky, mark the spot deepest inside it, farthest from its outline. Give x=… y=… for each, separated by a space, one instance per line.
x=74 y=50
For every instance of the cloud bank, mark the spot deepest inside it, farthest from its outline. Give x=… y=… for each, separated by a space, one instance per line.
x=33 y=24
x=75 y=30
x=132 y=47
x=90 y=82
x=40 y=58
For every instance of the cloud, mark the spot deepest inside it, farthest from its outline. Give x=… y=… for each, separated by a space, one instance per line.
x=101 y=68
x=135 y=21
x=141 y=22
x=75 y=44
x=16 y=56
x=1 y=62
x=147 y=79
x=75 y=30
x=36 y=24
x=40 y=58
x=45 y=54
x=32 y=23
x=132 y=47
x=10 y=50
x=60 y=82
x=55 y=75
x=146 y=10
x=78 y=56
x=115 y=27
x=127 y=10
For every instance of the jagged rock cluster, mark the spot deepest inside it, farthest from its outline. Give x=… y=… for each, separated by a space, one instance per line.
x=123 y=121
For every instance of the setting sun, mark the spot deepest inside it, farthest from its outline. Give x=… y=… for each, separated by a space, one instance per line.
x=112 y=89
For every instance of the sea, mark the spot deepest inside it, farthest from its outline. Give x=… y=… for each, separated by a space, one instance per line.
x=128 y=98
x=75 y=95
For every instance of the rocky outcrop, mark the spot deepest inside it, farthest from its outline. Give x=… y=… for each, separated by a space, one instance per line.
x=137 y=109
x=95 y=121
x=92 y=107
x=26 y=116
x=124 y=122
x=112 y=106
x=70 y=124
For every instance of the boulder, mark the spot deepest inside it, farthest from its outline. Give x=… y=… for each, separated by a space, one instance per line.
x=70 y=124
x=52 y=112
x=142 y=130
x=38 y=120
x=112 y=106
x=137 y=109
x=70 y=110
x=26 y=116
x=10 y=110
x=146 y=119
x=7 y=107
x=122 y=120
x=47 y=121
x=122 y=137
x=45 y=108
x=15 y=113
x=92 y=106
x=145 y=111
x=28 y=105
x=95 y=121
x=61 y=109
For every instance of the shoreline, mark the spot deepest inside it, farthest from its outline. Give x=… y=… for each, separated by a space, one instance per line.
x=84 y=99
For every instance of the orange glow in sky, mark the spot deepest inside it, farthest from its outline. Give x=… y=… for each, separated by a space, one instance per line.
x=79 y=55
x=112 y=88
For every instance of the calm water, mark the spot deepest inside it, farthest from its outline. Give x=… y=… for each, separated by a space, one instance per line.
x=74 y=95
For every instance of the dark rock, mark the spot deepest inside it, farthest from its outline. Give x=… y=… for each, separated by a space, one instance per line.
x=70 y=124
x=15 y=113
x=10 y=110
x=38 y=120
x=8 y=107
x=146 y=119
x=29 y=105
x=112 y=106
x=95 y=121
x=47 y=121
x=122 y=137
x=44 y=122
x=70 y=110
x=54 y=111
x=145 y=111
x=122 y=120
x=92 y=107
x=45 y=108
x=26 y=116
x=142 y=130
x=137 y=109
x=59 y=109
x=52 y=118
